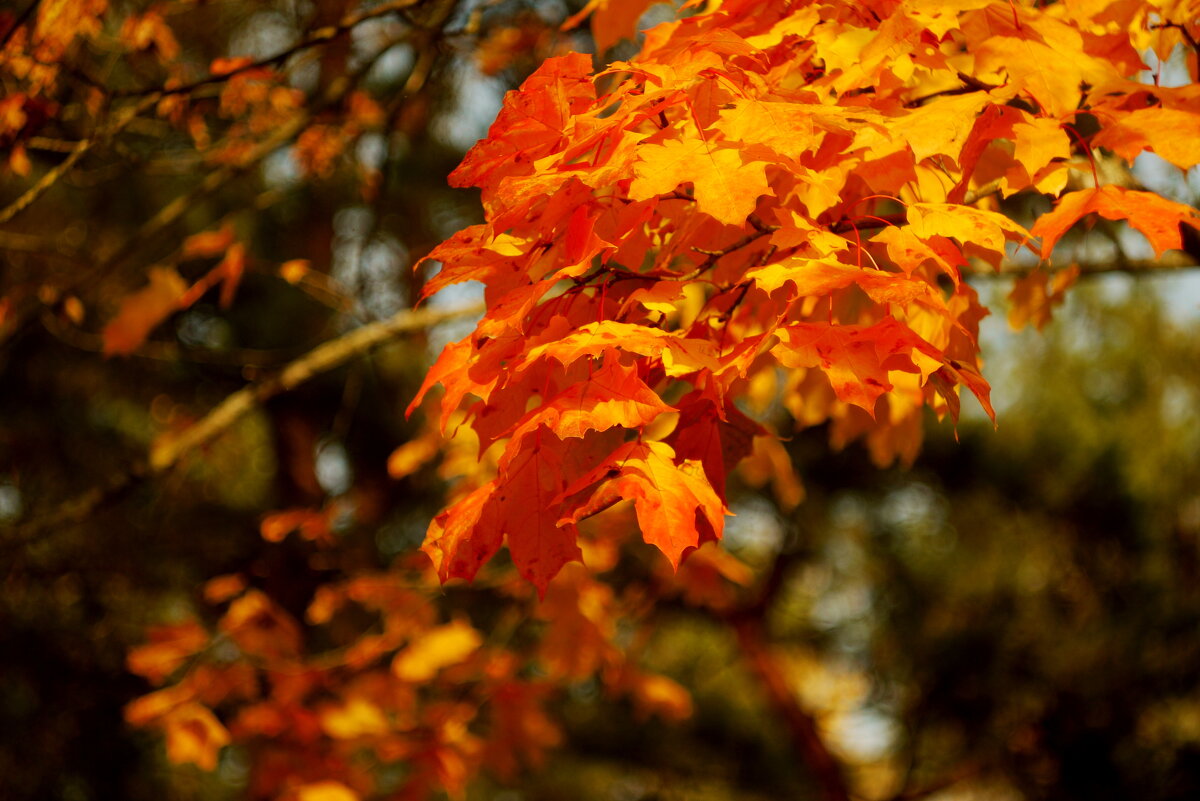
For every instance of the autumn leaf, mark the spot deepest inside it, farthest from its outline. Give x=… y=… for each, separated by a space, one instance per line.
x=222 y=588
x=669 y=497
x=141 y=312
x=1039 y=142
x=357 y=717
x=613 y=395
x=523 y=507
x=792 y=129
x=434 y=650
x=579 y=615
x=816 y=277
x=659 y=695
x=1155 y=216
x=987 y=232
x=714 y=437
x=325 y=791
x=194 y=735
x=1167 y=132
x=856 y=358
x=60 y=22
x=679 y=355
x=533 y=121
x=1050 y=76
x=150 y=31
x=412 y=455
x=1034 y=296
x=726 y=187
x=455 y=542
x=260 y=627
x=611 y=20
x=207 y=243
x=312 y=524
x=525 y=730
x=168 y=649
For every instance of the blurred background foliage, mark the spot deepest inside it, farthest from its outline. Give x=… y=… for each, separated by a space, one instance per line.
x=1013 y=617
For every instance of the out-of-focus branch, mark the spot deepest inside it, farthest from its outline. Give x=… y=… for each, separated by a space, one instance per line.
x=321 y=359
x=168 y=452
x=171 y=213
x=174 y=211
x=80 y=150
x=748 y=623
x=1170 y=262
x=320 y=36
x=21 y=19
x=826 y=768
x=15 y=242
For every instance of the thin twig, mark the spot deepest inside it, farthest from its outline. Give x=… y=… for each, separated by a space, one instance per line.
x=1137 y=267
x=17 y=23
x=747 y=623
x=320 y=36
x=868 y=223
x=716 y=255
x=1187 y=35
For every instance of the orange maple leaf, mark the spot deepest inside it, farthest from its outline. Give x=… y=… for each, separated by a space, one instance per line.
x=669 y=497
x=612 y=20
x=855 y=357
x=727 y=187
x=1156 y=217
x=611 y=396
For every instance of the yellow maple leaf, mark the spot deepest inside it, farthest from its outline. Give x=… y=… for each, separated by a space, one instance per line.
x=436 y=649
x=726 y=187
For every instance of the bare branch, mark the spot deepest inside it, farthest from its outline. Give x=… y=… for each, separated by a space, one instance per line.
x=167 y=453
x=826 y=768
x=1170 y=262
x=318 y=37
x=80 y=150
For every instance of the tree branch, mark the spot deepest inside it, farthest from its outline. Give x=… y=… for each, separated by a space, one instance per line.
x=166 y=453
x=747 y=623
x=174 y=211
x=826 y=767
x=1171 y=262
x=80 y=150
x=21 y=19
x=318 y=37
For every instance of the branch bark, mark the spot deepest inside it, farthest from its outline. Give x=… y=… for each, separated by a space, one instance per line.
x=747 y=622
x=320 y=36
x=826 y=767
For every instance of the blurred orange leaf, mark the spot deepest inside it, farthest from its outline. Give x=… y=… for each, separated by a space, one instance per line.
x=169 y=647
x=194 y=735
x=326 y=791
x=441 y=647
x=207 y=243
x=141 y=312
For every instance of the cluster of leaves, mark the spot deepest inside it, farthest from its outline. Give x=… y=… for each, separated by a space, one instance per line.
x=763 y=221
x=412 y=707
x=800 y=187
